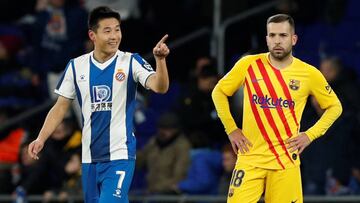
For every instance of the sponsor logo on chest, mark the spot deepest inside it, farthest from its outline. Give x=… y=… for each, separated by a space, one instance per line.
x=101 y=98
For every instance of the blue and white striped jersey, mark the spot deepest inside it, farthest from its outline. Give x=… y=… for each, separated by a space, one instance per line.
x=106 y=94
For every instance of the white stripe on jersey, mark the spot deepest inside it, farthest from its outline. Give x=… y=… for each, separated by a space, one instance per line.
x=118 y=122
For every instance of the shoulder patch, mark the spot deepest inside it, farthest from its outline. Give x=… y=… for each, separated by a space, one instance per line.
x=328 y=88
x=142 y=62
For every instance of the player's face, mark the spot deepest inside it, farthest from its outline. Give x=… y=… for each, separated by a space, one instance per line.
x=107 y=37
x=280 y=39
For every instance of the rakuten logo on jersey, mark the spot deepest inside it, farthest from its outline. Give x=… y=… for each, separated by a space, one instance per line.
x=269 y=102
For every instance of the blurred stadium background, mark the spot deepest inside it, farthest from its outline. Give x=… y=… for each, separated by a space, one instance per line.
x=38 y=37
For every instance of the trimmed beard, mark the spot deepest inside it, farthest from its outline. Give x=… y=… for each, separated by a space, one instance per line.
x=282 y=56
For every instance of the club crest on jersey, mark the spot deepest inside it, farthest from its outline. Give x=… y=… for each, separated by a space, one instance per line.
x=120 y=75
x=231 y=192
x=294 y=84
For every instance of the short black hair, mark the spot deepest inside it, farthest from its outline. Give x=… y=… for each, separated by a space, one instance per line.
x=279 y=18
x=100 y=13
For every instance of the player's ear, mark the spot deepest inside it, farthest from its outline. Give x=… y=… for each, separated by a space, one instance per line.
x=91 y=35
x=294 y=39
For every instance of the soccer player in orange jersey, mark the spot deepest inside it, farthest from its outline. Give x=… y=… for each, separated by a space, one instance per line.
x=276 y=88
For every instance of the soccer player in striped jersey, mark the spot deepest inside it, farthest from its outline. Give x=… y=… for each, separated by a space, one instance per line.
x=105 y=81
x=276 y=88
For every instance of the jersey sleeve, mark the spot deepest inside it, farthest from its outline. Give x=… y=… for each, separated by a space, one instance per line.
x=321 y=90
x=66 y=86
x=227 y=86
x=141 y=69
x=235 y=78
x=327 y=100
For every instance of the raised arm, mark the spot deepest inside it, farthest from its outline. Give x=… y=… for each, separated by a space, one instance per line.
x=159 y=82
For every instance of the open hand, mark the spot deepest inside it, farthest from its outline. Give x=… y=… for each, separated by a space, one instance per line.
x=239 y=142
x=299 y=143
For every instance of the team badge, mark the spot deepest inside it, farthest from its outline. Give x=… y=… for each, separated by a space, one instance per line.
x=294 y=84
x=120 y=75
x=231 y=192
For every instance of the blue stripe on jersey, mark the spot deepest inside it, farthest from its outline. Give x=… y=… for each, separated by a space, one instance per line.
x=63 y=75
x=130 y=109
x=77 y=90
x=101 y=92
x=142 y=62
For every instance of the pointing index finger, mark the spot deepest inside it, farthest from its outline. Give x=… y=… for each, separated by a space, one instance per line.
x=163 y=39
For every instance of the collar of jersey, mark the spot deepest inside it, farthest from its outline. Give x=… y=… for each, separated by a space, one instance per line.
x=102 y=66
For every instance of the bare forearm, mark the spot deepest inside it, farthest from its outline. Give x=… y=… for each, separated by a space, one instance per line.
x=161 y=78
x=52 y=120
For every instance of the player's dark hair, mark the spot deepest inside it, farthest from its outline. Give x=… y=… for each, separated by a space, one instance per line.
x=100 y=13
x=279 y=18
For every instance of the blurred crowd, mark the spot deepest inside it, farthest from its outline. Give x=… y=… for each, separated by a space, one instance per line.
x=182 y=146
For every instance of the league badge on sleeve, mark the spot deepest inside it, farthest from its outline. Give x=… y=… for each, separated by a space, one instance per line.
x=328 y=88
x=294 y=84
x=147 y=66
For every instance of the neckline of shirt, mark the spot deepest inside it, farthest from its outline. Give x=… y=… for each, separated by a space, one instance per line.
x=267 y=55
x=102 y=66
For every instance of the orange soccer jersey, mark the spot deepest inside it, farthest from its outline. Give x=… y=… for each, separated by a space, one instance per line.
x=273 y=104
